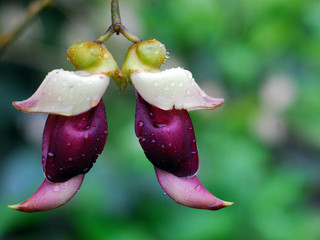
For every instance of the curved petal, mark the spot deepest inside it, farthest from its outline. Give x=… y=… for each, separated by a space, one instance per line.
x=173 y=88
x=167 y=138
x=50 y=195
x=71 y=145
x=189 y=191
x=66 y=93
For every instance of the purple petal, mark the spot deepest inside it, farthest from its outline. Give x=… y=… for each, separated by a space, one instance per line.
x=50 y=195
x=189 y=191
x=167 y=138
x=71 y=145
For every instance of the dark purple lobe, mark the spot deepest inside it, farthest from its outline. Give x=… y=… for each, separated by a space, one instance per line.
x=71 y=145
x=167 y=138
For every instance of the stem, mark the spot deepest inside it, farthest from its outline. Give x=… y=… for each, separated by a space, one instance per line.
x=106 y=35
x=115 y=16
x=124 y=31
x=34 y=9
x=116 y=26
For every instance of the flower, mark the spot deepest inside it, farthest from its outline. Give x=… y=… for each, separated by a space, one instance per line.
x=76 y=129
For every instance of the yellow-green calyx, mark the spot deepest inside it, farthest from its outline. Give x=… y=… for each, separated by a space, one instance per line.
x=147 y=56
x=93 y=58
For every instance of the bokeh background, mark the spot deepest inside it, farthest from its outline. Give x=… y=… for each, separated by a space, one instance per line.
x=261 y=149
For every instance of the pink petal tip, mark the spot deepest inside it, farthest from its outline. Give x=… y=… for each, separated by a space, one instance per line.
x=189 y=192
x=50 y=195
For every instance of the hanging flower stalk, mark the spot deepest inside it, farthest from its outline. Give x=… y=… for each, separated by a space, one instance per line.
x=76 y=129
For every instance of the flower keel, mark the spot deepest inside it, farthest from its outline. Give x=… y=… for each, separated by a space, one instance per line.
x=167 y=138
x=71 y=145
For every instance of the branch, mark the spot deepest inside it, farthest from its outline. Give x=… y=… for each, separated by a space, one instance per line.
x=34 y=9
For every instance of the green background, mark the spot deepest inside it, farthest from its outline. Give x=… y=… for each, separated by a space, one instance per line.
x=261 y=149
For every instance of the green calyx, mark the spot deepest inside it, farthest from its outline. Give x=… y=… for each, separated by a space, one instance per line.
x=146 y=55
x=92 y=57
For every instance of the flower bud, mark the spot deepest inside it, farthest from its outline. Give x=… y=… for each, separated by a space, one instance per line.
x=151 y=53
x=147 y=55
x=92 y=57
x=71 y=145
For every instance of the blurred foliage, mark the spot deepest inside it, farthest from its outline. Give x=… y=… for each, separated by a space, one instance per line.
x=261 y=149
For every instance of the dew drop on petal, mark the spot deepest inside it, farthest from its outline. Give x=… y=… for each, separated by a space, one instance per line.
x=140 y=126
x=50 y=157
x=142 y=141
x=198 y=188
x=56 y=188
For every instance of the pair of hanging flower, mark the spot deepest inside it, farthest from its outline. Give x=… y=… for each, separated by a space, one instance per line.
x=76 y=129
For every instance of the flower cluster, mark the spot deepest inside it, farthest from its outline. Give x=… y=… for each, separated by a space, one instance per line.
x=76 y=129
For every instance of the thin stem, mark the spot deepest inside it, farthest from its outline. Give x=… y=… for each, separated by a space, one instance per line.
x=116 y=27
x=124 y=31
x=106 y=35
x=34 y=9
x=115 y=16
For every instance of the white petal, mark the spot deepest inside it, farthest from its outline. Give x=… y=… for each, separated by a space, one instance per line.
x=66 y=93
x=173 y=88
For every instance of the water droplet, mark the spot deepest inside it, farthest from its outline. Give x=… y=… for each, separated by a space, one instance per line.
x=168 y=55
x=160 y=125
x=56 y=188
x=151 y=115
x=99 y=116
x=50 y=157
x=83 y=155
x=142 y=141
x=190 y=129
x=153 y=142
x=140 y=126
x=70 y=162
x=198 y=188
x=170 y=148
x=68 y=145
x=86 y=138
x=168 y=130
